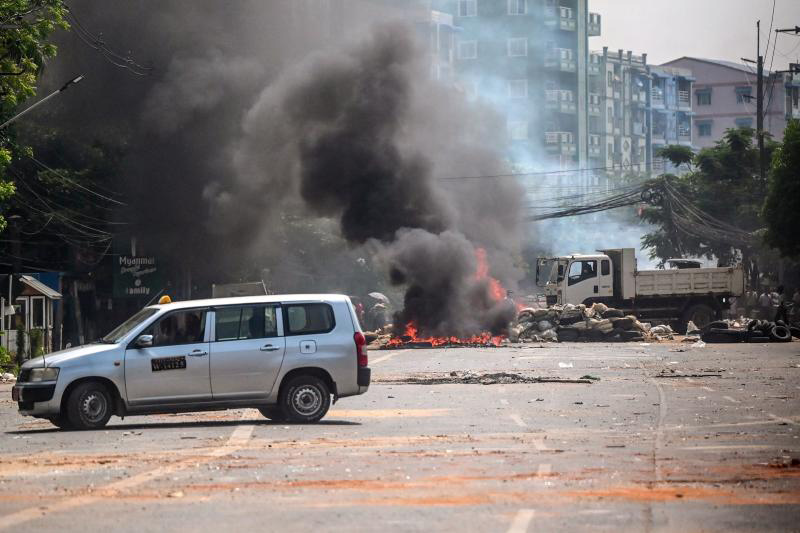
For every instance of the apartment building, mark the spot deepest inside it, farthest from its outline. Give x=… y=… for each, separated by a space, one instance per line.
x=724 y=96
x=528 y=58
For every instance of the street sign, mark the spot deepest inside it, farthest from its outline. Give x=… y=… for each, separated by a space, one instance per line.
x=136 y=276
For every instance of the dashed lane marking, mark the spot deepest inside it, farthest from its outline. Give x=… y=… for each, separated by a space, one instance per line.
x=709 y=389
x=732 y=400
x=237 y=440
x=521 y=521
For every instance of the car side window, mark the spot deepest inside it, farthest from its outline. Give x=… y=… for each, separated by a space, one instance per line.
x=605 y=267
x=305 y=319
x=181 y=327
x=246 y=322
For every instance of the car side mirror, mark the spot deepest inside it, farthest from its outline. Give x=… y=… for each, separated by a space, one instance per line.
x=144 y=341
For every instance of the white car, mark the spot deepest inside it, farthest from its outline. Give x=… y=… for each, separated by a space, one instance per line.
x=284 y=354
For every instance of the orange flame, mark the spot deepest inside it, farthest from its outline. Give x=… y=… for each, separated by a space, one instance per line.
x=496 y=291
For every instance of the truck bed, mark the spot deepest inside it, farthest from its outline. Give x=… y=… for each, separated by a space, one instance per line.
x=700 y=281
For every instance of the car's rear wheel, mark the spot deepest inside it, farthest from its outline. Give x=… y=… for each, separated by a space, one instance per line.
x=89 y=406
x=305 y=399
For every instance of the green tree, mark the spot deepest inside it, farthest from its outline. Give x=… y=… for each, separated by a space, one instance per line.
x=782 y=206
x=25 y=27
x=724 y=187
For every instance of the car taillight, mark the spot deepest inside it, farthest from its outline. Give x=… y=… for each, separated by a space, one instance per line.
x=361 y=348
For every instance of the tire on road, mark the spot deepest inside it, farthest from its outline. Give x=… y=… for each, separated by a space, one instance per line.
x=304 y=399
x=758 y=339
x=780 y=334
x=89 y=405
x=272 y=412
x=795 y=332
x=61 y=422
x=701 y=314
x=724 y=336
x=718 y=324
x=613 y=313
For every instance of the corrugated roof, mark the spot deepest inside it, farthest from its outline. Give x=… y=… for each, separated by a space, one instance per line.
x=38 y=286
x=722 y=63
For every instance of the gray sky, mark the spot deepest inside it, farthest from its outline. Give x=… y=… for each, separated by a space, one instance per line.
x=718 y=29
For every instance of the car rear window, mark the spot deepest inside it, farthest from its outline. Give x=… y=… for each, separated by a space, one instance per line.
x=304 y=319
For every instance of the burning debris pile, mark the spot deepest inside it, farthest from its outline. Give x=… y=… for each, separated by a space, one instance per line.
x=578 y=323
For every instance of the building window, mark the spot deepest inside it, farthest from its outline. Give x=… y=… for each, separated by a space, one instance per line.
x=565 y=12
x=744 y=122
x=517 y=47
x=37 y=311
x=703 y=97
x=704 y=129
x=743 y=95
x=468 y=49
x=517 y=7
x=517 y=89
x=467 y=8
x=518 y=131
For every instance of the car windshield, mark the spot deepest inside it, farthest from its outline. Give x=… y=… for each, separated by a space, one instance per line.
x=126 y=327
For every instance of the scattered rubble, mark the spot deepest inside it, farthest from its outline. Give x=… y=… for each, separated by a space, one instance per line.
x=579 y=323
x=474 y=378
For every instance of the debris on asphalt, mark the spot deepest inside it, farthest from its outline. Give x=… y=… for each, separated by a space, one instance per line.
x=747 y=330
x=7 y=377
x=671 y=373
x=588 y=376
x=473 y=378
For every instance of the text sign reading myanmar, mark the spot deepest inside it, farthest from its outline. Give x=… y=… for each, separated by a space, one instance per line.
x=135 y=276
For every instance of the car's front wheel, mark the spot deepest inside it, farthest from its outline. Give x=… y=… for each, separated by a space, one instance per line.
x=89 y=406
x=273 y=412
x=61 y=422
x=305 y=399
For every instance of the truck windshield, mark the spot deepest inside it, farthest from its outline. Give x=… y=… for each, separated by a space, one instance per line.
x=544 y=271
x=127 y=326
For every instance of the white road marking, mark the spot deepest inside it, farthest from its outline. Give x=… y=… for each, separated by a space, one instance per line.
x=690 y=380
x=730 y=447
x=521 y=521
x=709 y=389
x=784 y=420
x=503 y=401
x=544 y=470
x=383 y=358
x=518 y=420
x=238 y=438
x=732 y=400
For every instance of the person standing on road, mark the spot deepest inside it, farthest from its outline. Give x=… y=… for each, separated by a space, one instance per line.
x=764 y=304
x=750 y=303
x=780 y=313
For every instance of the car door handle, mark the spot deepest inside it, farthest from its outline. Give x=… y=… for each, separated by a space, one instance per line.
x=198 y=353
x=269 y=348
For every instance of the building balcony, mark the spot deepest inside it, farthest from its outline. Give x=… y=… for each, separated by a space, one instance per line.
x=559 y=100
x=684 y=101
x=560 y=17
x=639 y=97
x=595 y=109
x=656 y=98
x=560 y=142
x=593 y=69
x=594 y=28
x=561 y=59
x=595 y=148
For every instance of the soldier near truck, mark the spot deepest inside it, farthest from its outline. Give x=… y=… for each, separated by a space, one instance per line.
x=683 y=294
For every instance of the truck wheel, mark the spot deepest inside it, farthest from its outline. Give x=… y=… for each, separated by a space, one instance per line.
x=305 y=399
x=89 y=406
x=273 y=412
x=701 y=314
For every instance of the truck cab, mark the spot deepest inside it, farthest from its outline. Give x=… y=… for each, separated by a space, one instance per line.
x=576 y=278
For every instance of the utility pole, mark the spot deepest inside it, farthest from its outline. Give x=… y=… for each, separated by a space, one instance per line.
x=762 y=167
x=760 y=107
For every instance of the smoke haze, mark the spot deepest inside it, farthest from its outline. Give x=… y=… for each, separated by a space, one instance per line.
x=265 y=143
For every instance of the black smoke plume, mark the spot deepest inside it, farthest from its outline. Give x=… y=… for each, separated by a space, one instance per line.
x=241 y=131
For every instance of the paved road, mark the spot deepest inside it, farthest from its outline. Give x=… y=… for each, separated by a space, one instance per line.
x=630 y=452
